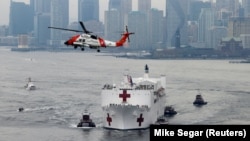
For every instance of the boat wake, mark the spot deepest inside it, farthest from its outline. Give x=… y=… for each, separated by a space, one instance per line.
x=75 y=126
x=46 y=108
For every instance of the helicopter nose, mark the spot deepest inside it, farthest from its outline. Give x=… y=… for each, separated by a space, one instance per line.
x=69 y=42
x=72 y=40
x=66 y=43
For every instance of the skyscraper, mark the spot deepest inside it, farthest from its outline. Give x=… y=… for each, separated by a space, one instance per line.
x=195 y=9
x=246 y=6
x=123 y=7
x=137 y=22
x=112 y=24
x=41 y=6
x=176 y=18
x=59 y=18
x=155 y=26
x=114 y=4
x=88 y=10
x=21 y=18
x=206 y=22
x=144 y=5
x=229 y=5
x=42 y=33
x=41 y=20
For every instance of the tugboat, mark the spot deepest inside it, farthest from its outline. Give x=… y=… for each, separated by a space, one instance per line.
x=199 y=100
x=169 y=111
x=135 y=103
x=86 y=121
x=30 y=85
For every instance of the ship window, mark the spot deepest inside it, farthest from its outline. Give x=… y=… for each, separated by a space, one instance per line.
x=85 y=117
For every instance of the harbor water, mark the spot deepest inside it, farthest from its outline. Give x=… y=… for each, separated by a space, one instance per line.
x=70 y=82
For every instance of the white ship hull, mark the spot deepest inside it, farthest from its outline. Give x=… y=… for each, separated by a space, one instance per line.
x=128 y=117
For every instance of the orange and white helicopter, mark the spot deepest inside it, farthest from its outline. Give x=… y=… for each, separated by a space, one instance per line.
x=86 y=39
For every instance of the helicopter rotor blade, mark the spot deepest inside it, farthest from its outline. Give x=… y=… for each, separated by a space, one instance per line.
x=84 y=29
x=129 y=33
x=64 y=29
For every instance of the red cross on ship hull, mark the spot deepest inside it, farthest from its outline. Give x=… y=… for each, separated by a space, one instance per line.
x=109 y=119
x=140 y=120
x=124 y=95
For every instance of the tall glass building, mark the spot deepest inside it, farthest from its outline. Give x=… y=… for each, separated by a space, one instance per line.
x=88 y=10
x=59 y=18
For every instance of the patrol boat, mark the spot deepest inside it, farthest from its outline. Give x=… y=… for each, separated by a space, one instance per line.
x=199 y=100
x=86 y=121
x=134 y=104
x=30 y=85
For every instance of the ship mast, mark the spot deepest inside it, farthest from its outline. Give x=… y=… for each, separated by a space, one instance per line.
x=146 y=71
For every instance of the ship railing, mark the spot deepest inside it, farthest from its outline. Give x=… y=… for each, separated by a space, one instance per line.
x=131 y=105
x=126 y=88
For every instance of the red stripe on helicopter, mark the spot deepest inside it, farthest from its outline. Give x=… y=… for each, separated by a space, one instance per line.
x=72 y=40
x=102 y=42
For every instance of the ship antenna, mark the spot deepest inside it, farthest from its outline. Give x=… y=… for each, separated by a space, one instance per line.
x=146 y=71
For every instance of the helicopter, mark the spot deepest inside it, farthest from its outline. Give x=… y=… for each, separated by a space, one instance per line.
x=87 y=39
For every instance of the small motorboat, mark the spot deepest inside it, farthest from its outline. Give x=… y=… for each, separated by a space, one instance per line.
x=161 y=121
x=199 y=100
x=20 y=109
x=30 y=85
x=169 y=111
x=86 y=121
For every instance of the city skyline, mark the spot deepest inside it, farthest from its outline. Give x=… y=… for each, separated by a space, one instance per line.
x=189 y=23
x=5 y=7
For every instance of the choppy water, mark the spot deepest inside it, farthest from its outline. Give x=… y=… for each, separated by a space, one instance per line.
x=70 y=82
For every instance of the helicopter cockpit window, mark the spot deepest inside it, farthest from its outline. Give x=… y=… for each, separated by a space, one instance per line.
x=81 y=40
x=93 y=37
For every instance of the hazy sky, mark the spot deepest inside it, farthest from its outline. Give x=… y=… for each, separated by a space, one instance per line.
x=5 y=7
